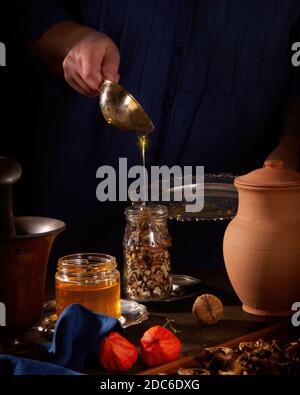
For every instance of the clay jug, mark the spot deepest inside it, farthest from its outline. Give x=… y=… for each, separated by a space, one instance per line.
x=262 y=243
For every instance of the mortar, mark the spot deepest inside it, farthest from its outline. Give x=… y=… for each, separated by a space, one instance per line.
x=25 y=245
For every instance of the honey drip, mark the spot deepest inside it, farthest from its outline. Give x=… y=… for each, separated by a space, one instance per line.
x=143 y=141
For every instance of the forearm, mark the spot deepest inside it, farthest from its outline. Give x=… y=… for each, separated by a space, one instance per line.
x=52 y=47
x=291 y=128
x=288 y=148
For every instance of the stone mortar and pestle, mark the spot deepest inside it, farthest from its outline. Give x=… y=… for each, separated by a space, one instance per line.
x=25 y=245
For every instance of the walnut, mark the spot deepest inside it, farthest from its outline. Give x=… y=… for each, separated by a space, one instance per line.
x=207 y=309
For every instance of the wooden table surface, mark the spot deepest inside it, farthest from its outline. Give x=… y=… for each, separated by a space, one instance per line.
x=235 y=322
x=201 y=263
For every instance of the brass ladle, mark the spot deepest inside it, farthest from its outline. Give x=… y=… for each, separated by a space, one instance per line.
x=122 y=110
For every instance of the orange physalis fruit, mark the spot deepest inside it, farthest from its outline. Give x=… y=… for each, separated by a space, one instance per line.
x=159 y=346
x=117 y=353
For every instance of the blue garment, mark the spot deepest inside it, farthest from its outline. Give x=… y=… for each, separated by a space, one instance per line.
x=214 y=76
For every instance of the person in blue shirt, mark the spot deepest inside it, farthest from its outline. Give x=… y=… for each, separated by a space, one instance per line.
x=215 y=77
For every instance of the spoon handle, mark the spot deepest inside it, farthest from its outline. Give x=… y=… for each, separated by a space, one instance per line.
x=10 y=172
x=7 y=224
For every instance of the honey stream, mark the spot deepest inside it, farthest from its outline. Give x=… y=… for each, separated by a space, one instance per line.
x=143 y=141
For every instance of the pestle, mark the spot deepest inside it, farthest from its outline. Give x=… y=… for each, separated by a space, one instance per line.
x=10 y=172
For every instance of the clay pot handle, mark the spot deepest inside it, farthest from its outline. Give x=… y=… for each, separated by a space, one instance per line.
x=10 y=172
x=274 y=164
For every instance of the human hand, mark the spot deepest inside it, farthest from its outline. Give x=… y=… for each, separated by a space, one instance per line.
x=91 y=60
x=287 y=153
x=288 y=148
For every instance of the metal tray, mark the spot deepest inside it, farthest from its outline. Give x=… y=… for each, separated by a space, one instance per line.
x=220 y=199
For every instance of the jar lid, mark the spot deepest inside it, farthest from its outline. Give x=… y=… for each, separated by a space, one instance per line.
x=273 y=174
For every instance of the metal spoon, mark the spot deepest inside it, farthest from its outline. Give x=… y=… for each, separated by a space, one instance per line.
x=122 y=110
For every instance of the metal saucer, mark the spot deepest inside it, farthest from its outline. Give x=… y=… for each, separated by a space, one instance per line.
x=132 y=313
x=183 y=287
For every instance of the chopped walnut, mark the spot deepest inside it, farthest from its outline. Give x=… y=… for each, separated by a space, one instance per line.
x=147 y=259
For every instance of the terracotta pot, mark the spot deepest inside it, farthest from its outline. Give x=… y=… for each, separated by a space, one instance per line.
x=262 y=243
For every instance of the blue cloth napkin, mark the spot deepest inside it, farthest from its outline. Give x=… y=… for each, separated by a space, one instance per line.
x=15 y=366
x=75 y=343
x=77 y=336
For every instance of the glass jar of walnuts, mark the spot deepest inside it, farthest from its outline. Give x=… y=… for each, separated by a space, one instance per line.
x=146 y=253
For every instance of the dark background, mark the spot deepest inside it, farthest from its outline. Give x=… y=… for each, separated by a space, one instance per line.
x=16 y=98
x=20 y=99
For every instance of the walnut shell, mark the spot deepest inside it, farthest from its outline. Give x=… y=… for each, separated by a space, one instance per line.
x=207 y=309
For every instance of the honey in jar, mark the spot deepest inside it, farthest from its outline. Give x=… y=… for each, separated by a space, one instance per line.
x=91 y=280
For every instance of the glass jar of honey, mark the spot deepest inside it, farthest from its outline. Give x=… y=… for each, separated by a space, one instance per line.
x=91 y=280
x=146 y=255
